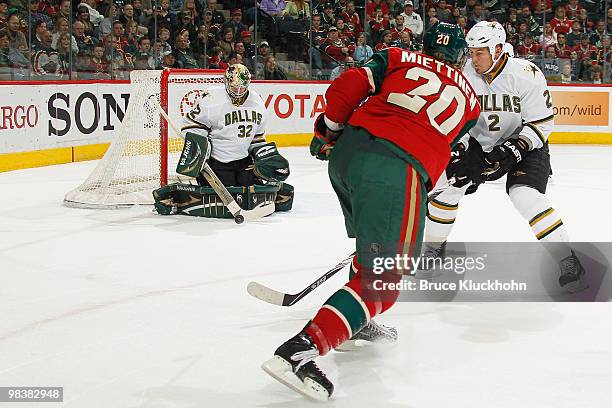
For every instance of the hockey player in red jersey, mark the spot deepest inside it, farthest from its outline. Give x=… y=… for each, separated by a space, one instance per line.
x=384 y=155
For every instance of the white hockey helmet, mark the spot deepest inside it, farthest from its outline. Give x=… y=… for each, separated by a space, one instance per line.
x=237 y=79
x=487 y=34
x=509 y=49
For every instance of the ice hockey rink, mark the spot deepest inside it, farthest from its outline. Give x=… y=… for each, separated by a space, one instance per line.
x=125 y=308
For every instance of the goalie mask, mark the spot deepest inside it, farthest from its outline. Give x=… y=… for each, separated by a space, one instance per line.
x=237 y=79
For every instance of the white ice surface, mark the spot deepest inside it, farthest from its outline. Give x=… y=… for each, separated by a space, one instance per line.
x=125 y=308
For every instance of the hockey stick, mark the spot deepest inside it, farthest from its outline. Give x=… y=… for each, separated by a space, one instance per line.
x=275 y=297
x=240 y=214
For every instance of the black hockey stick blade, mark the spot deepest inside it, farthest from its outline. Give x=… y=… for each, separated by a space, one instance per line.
x=262 y=292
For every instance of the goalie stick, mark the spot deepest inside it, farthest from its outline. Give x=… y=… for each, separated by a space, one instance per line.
x=240 y=214
x=261 y=292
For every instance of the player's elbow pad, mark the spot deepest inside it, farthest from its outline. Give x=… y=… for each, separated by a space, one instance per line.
x=536 y=135
x=345 y=94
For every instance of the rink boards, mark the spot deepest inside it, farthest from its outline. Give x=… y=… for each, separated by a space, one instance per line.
x=43 y=123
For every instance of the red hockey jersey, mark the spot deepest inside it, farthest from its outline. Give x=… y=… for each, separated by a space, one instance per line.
x=422 y=105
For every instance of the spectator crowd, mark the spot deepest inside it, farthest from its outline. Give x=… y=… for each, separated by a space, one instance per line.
x=279 y=39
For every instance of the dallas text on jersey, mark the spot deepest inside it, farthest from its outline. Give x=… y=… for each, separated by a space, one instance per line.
x=237 y=116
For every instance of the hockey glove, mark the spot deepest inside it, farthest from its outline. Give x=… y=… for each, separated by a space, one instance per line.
x=268 y=163
x=324 y=139
x=466 y=165
x=196 y=152
x=503 y=157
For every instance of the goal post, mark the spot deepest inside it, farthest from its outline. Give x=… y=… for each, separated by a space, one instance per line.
x=143 y=154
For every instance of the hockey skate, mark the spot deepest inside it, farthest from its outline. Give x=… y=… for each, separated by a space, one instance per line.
x=293 y=366
x=432 y=253
x=371 y=333
x=572 y=273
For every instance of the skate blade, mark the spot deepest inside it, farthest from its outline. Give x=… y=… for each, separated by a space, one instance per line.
x=281 y=370
x=360 y=344
x=353 y=345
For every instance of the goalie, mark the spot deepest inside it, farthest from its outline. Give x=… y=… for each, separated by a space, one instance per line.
x=225 y=129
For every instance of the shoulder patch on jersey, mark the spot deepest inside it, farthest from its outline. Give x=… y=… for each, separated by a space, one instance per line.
x=197 y=124
x=532 y=69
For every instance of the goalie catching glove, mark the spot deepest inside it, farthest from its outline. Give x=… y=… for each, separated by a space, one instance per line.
x=195 y=154
x=324 y=139
x=503 y=157
x=268 y=163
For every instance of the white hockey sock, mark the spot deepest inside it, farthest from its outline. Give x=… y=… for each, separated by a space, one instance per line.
x=440 y=220
x=442 y=211
x=544 y=220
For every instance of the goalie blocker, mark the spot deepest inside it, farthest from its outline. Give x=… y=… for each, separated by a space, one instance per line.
x=256 y=179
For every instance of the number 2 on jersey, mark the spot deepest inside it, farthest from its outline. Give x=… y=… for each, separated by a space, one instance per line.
x=414 y=101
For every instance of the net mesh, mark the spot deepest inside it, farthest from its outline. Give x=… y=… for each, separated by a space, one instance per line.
x=132 y=166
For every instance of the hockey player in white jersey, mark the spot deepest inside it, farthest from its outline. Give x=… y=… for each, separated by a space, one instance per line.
x=226 y=129
x=510 y=138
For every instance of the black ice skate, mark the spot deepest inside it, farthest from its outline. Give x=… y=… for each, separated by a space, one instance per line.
x=293 y=366
x=371 y=333
x=432 y=258
x=572 y=274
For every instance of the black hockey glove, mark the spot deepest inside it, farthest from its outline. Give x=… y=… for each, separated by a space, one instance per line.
x=503 y=157
x=466 y=165
x=324 y=139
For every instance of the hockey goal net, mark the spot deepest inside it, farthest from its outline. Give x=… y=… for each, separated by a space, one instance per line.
x=144 y=153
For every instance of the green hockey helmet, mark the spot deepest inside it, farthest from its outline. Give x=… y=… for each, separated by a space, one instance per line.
x=446 y=42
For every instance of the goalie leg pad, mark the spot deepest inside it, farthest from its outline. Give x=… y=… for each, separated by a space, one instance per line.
x=284 y=197
x=198 y=201
x=196 y=152
x=188 y=199
x=164 y=204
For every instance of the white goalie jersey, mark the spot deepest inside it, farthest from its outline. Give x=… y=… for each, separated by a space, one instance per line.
x=514 y=100
x=231 y=128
